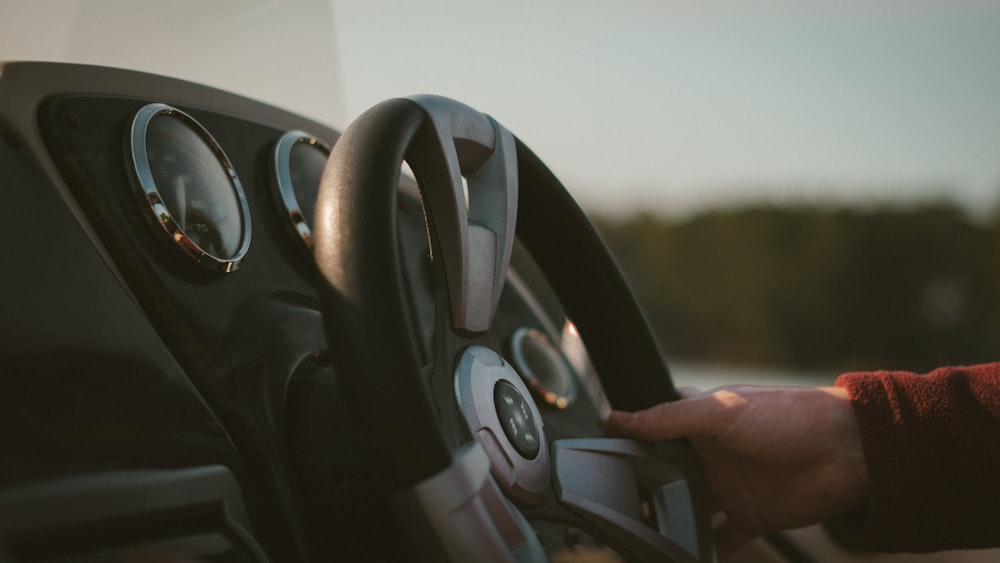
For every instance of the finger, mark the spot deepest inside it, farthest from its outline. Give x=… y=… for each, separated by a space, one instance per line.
x=617 y=423
x=680 y=419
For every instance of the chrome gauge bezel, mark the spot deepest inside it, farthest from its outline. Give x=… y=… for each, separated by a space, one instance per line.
x=281 y=164
x=152 y=201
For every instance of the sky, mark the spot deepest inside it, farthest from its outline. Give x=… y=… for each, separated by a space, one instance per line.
x=679 y=106
x=671 y=106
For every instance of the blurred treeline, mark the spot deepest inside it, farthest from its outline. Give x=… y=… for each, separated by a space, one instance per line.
x=817 y=287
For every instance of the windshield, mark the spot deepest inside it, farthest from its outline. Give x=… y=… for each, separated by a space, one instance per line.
x=280 y=52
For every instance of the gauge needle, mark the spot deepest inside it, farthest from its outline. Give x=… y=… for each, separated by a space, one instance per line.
x=180 y=193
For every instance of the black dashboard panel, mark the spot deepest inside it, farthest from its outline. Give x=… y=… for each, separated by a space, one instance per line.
x=120 y=355
x=199 y=311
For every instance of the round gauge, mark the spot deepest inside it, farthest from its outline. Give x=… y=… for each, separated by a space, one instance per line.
x=543 y=367
x=190 y=188
x=299 y=160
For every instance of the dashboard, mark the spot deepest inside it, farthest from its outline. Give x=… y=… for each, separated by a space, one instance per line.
x=161 y=309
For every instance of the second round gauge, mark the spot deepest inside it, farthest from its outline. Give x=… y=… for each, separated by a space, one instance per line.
x=299 y=160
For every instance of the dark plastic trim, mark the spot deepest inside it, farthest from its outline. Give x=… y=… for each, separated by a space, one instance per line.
x=105 y=510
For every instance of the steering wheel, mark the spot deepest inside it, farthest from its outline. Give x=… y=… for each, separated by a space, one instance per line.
x=456 y=441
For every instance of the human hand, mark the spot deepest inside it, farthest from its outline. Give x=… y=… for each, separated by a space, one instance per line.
x=775 y=457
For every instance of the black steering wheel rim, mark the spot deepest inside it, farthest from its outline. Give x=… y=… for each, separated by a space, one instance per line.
x=365 y=306
x=367 y=320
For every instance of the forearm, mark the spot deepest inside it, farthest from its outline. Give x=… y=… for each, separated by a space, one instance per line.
x=932 y=452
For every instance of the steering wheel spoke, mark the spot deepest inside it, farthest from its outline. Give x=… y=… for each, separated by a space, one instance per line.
x=648 y=498
x=475 y=234
x=461 y=515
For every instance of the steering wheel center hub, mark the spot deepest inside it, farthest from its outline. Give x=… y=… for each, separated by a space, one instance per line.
x=501 y=416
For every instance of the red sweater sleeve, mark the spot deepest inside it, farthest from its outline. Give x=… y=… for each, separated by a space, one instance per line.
x=932 y=447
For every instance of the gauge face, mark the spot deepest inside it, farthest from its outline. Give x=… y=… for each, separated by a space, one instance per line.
x=299 y=160
x=188 y=184
x=543 y=367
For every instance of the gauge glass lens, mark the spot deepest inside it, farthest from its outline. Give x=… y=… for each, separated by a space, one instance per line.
x=195 y=186
x=305 y=167
x=543 y=367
